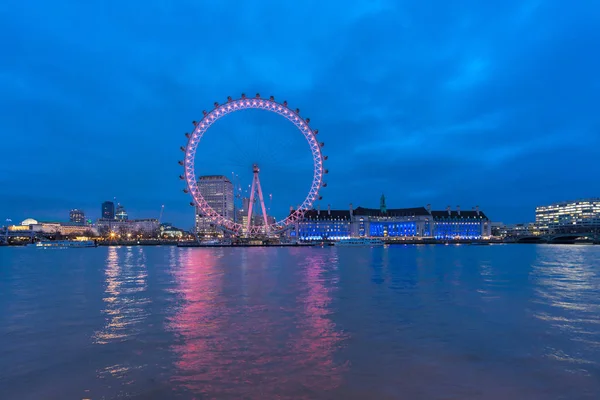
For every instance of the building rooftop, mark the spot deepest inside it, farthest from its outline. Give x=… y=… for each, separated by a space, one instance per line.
x=214 y=177
x=324 y=215
x=391 y=212
x=592 y=200
x=455 y=214
x=327 y=215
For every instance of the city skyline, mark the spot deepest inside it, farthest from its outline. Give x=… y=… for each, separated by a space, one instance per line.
x=81 y=216
x=491 y=105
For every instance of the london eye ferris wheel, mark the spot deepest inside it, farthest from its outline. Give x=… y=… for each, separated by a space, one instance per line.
x=265 y=225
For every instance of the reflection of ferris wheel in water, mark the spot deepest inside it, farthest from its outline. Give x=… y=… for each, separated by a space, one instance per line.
x=250 y=228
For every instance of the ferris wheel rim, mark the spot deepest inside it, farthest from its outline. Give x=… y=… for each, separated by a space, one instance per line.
x=233 y=105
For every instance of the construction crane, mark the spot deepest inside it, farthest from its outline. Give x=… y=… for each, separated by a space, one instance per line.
x=237 y=190
x=162 y=209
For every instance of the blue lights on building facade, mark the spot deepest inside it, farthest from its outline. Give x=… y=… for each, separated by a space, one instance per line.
x=320 y=225
x=324 y=230
x=457 y=230
x=395 y=224
x=460 y=224
x=385 y=229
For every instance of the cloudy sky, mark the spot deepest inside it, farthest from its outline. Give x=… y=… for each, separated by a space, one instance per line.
x=490 y=103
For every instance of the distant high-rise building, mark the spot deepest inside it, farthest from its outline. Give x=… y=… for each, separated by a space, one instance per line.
x=121 y=214
x=77 y=216
x=217 y=191
x=242 y=213
x=108 y=210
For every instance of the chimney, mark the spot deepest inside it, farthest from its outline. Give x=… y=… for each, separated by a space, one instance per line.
x=477 y=210
x=458 y=210
x=429 y=208
x=448 y=209
x=328 y=209
x=351 y=210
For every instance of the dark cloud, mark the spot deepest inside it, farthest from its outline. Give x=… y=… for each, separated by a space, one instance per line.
x=488 y=103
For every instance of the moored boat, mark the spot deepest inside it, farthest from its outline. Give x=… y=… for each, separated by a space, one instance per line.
x=359 y=242
x=205 y=243
x=65 y=244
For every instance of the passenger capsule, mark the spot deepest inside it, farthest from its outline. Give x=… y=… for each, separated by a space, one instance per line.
x=297 y=111
x=307 y=120
x=243 y=95
x=322 y=144
x=216 y=104
x=181 y=177
x=258 y=95
x=324 y=184
x=187 y=135
x=204 y=113
x=185 y=191
x=180 y=163
x=272 y=98
x=229 y=99
x=285 y=103
x=316 y=131
x=182 y=149
x=325 y=157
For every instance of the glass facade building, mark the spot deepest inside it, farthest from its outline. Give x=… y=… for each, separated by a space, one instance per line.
x=568 y=214
x=217 y=190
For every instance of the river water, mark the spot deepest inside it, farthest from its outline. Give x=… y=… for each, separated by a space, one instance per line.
x=401 y=322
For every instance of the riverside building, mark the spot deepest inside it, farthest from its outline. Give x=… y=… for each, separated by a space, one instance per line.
x=578 y=214
x=146 y=226
x=459 y=224
x=394 y=223
x=326 y=224
x=31 y=225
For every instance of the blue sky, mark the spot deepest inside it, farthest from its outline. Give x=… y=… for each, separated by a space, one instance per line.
x=489 y=103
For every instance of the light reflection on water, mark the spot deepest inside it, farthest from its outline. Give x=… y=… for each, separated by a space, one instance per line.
x=568 y=291
x=241 y=341
x=126 y=306
x=403 y=322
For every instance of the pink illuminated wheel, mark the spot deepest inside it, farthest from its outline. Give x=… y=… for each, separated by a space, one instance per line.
x=221 y=110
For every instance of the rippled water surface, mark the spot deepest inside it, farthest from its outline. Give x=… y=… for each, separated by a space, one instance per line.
x=406 y=322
